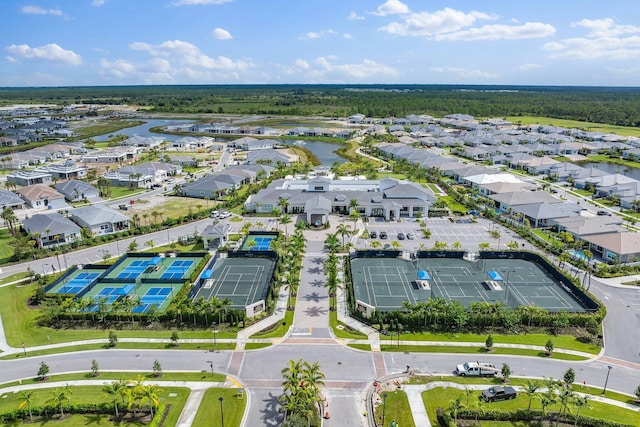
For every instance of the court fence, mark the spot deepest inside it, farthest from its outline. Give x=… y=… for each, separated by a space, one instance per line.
x=372 y=253
x=565 y=282
x=72 y=271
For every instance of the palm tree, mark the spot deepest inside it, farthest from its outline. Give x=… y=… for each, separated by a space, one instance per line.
x=284 y=204
x=151 y=394
x=454 y=408
x=580 y=402
x=343 y=230
x=155 y=214
x=353 y=205
x=285 y=219
x=331 y=243
x=26 y=399
x=59 y=396
x=375 y=244
x=114 y=390
x=530 y=389
x=10 y=219
x=483 y=246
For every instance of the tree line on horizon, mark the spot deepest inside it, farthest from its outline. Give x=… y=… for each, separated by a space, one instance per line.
x=608 y=105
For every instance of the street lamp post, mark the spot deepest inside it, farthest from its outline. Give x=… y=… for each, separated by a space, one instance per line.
x=284 y=324
x=221 y=412
x=215 y=345
x=604 y=389
x=399 y=329
x=210 y=362
x=384 y=406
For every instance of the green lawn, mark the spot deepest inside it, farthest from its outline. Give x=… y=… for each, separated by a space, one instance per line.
x=395 y=408
x=94 y=394
x=104 y=126
x=6 y=249
x=122 y=192
x=453 y=205
x=363 y=347
x=567 y=342
x=279 y=330
x=387 y=346
x=441 y=398
x=343 y=332
x=233 y=407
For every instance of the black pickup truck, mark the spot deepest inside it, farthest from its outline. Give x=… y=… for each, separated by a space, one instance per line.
x=495 y=393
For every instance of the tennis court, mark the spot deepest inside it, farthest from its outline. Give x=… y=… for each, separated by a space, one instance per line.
x=257 y=242
x=244 y=281
x=75 y=282
x=385 y=283
x=154 y=296
x=178 y=269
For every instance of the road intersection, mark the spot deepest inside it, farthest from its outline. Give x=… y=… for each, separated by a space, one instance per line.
x=349 y=372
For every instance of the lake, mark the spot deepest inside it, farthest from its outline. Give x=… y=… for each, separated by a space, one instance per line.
x=614 y=168
x=324 y=151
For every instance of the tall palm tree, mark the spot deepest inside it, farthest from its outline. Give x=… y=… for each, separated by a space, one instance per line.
x=331 y=243
x=580 y=402
x=114 y=390
x=454 y=408
x=26 y=399
x=343 y=230
x=284 y=204
x=151 y=393
x=59 y=396
x=285 y=219
x=530 y=389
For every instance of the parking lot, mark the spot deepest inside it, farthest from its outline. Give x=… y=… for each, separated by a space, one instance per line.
x=462 y=230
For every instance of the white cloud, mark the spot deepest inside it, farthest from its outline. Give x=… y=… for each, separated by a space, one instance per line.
x=353 y=16
x=316 y=34
x=391 y=7
x=198 y=2
x=529 y=30
x=221 y=34
x=605 y=27
x=604 y=40
x=37 y=10
x=465 y=73
x=325 y=69
x=527 y=67
x=49 y=52
x=186 y=54
x=427 y=24
x=11 y=59
x=347 y=36
x=98 y=3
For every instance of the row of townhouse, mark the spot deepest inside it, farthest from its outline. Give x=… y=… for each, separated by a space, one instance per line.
x=521 y=200
x=43 y=196
x=320 y=132
x=217 y=184
x=19 y=131
x=143 y=175
x=54 y=229
x=222 y=129
x=41 y=155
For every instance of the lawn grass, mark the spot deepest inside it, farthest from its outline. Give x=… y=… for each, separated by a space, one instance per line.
x=14 y=278
x=209 y=413
x=278 y=331
x=363 y=347
x=204 y=376
x=6 y=249
x=589 y=126
x=454 y=206
x=567 y=342
x=440 y=398
x=102 y=127
x=345 y=331
x=122 y=192
x=395 y=407
x=256 y=345
x=121 y=345
x=477 y=350
x=94 y=394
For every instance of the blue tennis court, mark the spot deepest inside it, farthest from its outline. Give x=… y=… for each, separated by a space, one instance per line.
x=137 y=267
x=154 y=296
x=177 y=270
x=257 y=243
x=78 y=283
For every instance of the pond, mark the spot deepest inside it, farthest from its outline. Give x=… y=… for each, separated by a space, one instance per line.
x=614 y=168
x=324 y=151
x=143 y=130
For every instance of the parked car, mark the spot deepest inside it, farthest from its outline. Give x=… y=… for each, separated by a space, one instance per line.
x=495 y=393
x=383 y=235
x=225 y=214
x=373 y=235
x=401 y=236
x=214 y=214
x=411 y=236
x=603 y=213
x=475 y=369
x=387 y=246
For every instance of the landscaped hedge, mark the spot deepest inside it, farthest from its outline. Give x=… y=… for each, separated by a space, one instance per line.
x=524 y=415
x=50 y=411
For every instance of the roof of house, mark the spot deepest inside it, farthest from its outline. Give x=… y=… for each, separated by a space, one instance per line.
x=97 y=214
x=50 y=223
x=39 y=192
x=68 y=187
x=624 y=243
x=215 y=230
x=8 y=198
x=491 y=178
x=549 y=210
x=524 y=198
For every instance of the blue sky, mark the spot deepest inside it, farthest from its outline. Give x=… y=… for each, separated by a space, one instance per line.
x=122 y=42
